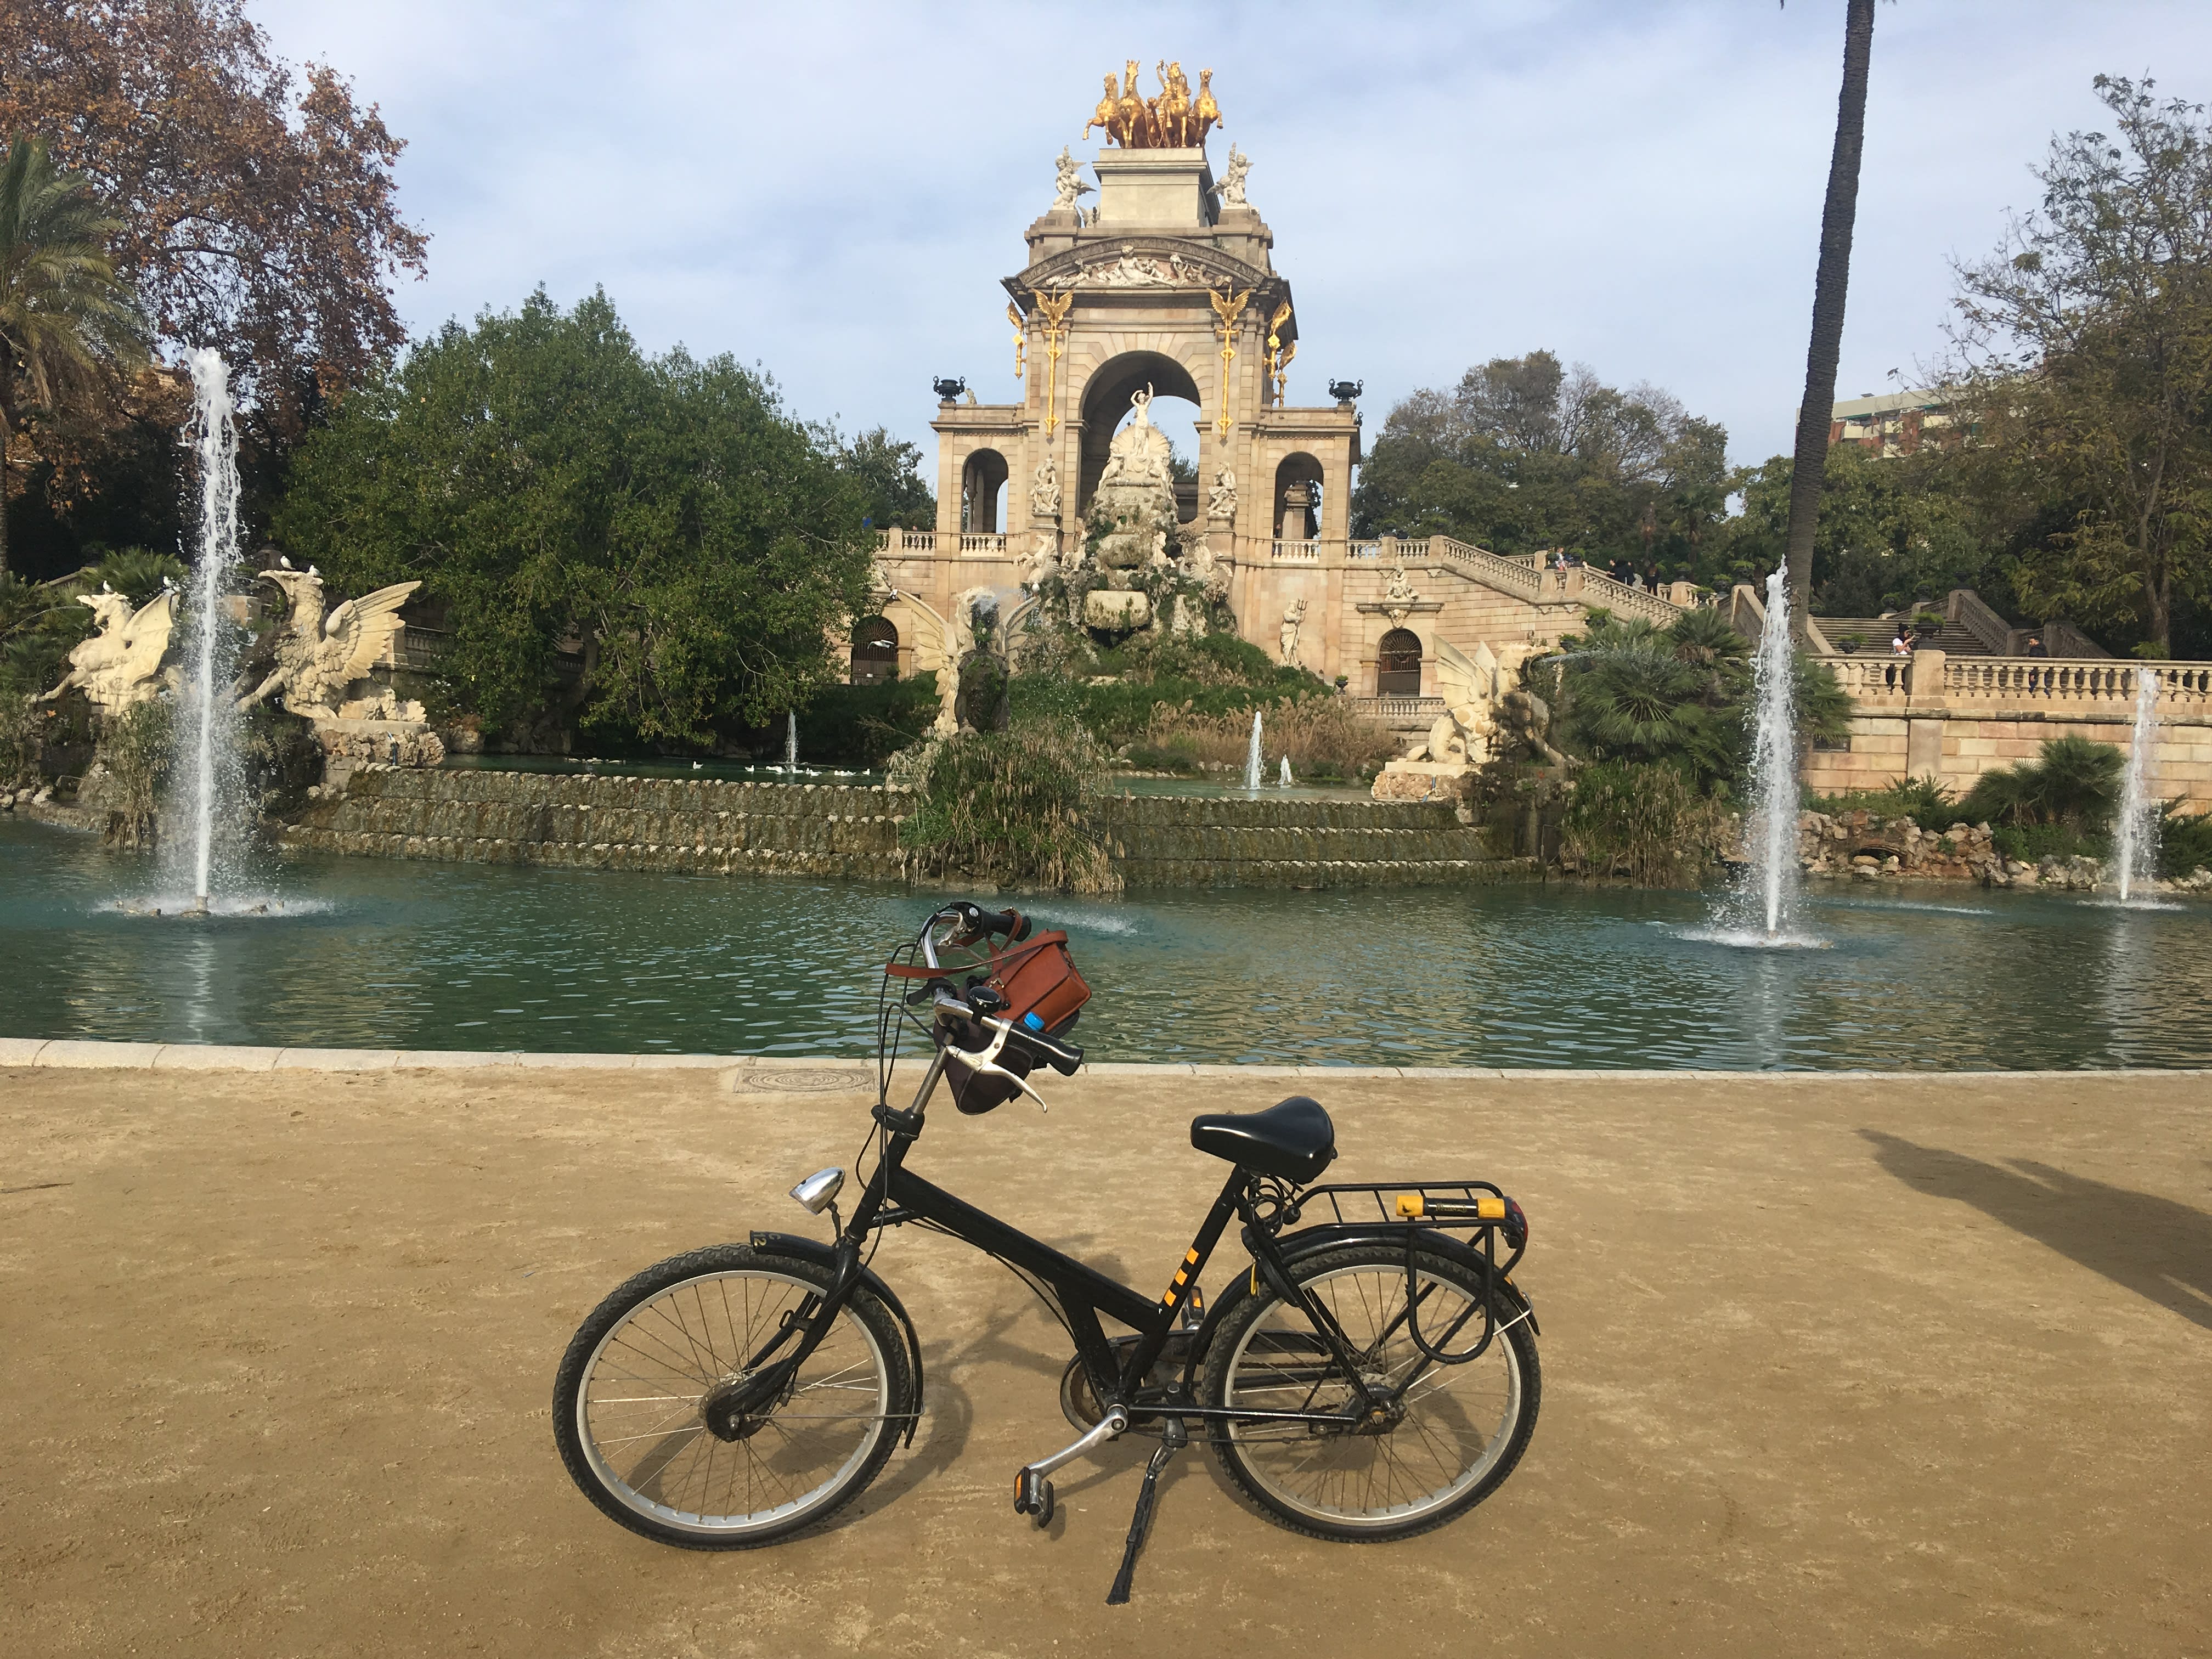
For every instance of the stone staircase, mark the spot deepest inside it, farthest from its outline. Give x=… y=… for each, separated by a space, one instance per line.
x=1954 y=639
x=707 y=826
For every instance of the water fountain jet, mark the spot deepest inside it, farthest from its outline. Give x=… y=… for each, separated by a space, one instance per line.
x=1771 y=892
x=207 y=727
x=790 y=741
x=1283 y=779
x=2139 y=815
x=1252 y=757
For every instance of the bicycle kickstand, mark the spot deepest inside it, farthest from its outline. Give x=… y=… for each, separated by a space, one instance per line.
x=1173 y=1439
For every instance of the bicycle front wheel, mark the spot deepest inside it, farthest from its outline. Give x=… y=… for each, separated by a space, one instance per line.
x=672 y=1416
x=1453 y=1434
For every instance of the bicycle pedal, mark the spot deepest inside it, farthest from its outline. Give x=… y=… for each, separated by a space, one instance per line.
x=1033 y=1496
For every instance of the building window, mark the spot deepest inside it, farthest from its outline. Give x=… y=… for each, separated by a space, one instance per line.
x=875 y=650
x=1398 y=664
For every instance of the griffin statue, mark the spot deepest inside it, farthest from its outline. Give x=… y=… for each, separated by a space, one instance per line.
x=319 y=656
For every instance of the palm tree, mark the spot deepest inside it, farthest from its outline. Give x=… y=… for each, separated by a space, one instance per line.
x=64 y=311
x=1829 y=283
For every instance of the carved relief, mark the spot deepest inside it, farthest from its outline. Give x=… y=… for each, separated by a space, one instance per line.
x=1221 y=499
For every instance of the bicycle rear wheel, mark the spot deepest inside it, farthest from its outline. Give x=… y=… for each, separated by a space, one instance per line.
x=670 y=1417
x=1456 y=1431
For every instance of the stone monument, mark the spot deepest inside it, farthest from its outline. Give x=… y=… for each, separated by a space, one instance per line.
x=122 y=662
x=322 y=672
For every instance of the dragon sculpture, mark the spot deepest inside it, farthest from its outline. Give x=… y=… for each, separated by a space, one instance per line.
x=319 y=656
x=121 y=664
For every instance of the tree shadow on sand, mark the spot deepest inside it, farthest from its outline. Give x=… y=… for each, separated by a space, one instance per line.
x=2160 y=1249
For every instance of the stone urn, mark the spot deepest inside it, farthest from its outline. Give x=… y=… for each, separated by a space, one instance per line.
x=1116 y=610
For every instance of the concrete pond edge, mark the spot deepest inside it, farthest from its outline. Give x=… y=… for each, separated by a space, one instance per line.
x=73 y=1054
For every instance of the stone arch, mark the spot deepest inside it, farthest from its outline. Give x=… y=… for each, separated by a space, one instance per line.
x=1298 y=498
x=1106 y=399
x=982 y=492
x=1398 y=664
x=875 y=650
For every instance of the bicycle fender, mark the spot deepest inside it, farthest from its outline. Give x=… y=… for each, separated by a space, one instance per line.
x=816 y=1252
x=1294 y=1246
x=1311 y=1239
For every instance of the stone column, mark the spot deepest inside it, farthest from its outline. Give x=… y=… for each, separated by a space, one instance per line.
x=1924 y=678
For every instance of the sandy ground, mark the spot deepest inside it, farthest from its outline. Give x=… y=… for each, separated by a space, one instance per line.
x=1832 y=1366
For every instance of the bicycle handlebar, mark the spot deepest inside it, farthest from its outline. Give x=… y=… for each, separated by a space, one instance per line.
x=974 y=923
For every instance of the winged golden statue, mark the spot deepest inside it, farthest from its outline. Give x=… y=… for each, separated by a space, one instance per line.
x=121 y=664
x=318 y=656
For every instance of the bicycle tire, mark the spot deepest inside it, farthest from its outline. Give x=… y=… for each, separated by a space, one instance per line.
x=1345 y=1485
x=678 y=1327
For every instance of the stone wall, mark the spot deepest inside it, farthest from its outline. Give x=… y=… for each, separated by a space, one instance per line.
x=708 y=827
x=1953 y=719
x=1863 y=847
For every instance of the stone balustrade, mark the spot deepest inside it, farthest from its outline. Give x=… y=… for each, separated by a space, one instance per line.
x=1931 y=678
x=1951 y=719
x=1298 y=553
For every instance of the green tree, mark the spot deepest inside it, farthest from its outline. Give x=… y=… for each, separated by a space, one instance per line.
x=1889 y=531
x=887 y=471
x=551 y=487
x=65 y=317
x=1831 y=280
x=2084 y=350
x=1631 y=691
x=1527 y=454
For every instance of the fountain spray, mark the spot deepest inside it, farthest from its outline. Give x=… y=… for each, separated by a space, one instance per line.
x=1284 y=780
x=1252 y=755
x=1774 y=764
x=2138 y=849
x=791 y=740
x=207 y=727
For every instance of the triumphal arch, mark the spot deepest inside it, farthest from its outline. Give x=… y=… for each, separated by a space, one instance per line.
x=1155 y=287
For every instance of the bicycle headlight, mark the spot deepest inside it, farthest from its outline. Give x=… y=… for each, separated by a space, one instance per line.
x=815 y=1193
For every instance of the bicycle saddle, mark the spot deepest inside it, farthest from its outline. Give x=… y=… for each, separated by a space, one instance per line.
x=1292 y=1139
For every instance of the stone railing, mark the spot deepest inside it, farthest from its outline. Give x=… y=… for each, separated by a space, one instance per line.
x=984 y=543
x=1485 y=566
x=897 y=541
x=1363 y=551
x=1396 y=708
x=1298 y=553
x=2047 y=679
x=1966 y=608
x=1623 y=599
x=1930 y=677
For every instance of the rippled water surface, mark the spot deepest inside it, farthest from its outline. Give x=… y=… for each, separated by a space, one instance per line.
x=377 y=954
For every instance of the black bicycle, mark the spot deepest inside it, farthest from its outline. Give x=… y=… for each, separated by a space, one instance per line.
x=1371 y=1375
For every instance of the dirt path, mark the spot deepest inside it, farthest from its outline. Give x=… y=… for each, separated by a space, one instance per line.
x=1832 y=1366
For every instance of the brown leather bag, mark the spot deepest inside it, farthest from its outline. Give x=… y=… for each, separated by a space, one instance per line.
x=1037 y=977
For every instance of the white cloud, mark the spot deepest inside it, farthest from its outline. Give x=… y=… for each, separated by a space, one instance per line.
x=835 y=190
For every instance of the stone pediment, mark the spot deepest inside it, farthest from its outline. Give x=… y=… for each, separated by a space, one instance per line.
x=1138 y=263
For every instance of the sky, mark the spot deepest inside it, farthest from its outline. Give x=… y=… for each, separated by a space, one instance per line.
x=834 y=190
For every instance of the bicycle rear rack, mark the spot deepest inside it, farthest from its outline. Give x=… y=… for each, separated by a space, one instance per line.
x=1413 y=1208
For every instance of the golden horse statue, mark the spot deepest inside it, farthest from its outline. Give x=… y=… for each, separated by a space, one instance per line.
x=1171 y=109
x=1203 y=110
x=1132 y=116
x=1175 y=119
x=1103 y=115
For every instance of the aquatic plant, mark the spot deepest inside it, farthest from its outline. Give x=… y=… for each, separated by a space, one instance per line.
x=1011 y=808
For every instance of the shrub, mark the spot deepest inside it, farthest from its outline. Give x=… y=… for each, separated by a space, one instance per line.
x=2184 y=840
x=1011 y=807
x=2075 y=782
x=1645 y=821
x=1324 y=738
x=19 y=722
x=136 y=747
x=862 y=725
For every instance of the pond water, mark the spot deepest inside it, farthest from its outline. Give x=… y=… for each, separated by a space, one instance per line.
x=393 y=954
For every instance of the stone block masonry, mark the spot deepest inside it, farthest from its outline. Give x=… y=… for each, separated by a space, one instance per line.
x=709 y=826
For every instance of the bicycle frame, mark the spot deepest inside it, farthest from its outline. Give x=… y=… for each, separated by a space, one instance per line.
x=894 y=1196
